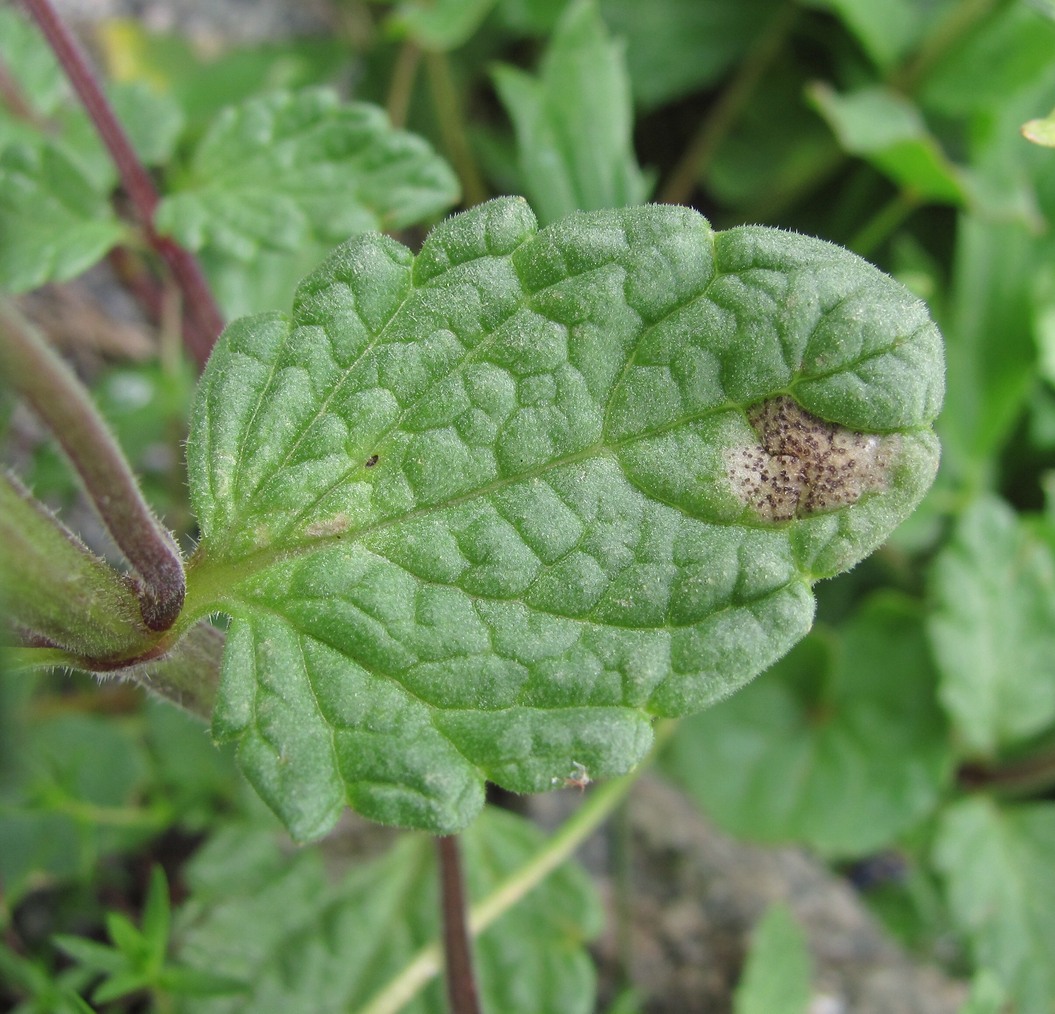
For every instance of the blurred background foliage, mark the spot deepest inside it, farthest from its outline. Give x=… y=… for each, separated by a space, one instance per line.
x=915 y=726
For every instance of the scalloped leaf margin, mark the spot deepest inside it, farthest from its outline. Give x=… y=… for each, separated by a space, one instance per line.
x=481 y=514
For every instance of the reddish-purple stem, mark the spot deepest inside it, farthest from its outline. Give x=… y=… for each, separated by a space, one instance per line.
x=200 y=306
x=461 y=982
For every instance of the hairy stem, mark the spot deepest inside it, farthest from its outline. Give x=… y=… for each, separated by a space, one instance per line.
x=461 y=982
x=58 y=398
x=600 y=803
x=202 y=312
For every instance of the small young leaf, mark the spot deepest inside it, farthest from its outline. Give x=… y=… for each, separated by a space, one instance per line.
x=777 y=974
x=841 y=746
x=483 y=513
x=997 y=868
x=297 y=166
x=54 y=223
x=574 y=123
x=993 y=627
x=887 y=129
x=885 y=31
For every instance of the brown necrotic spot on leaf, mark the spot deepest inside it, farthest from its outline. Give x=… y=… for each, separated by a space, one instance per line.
x=802 y=465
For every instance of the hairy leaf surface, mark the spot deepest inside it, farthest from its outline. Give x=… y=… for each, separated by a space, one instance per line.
x=483 y=513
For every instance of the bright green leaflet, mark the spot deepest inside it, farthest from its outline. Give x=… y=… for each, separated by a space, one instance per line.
x=776 y=975
x=470 y=512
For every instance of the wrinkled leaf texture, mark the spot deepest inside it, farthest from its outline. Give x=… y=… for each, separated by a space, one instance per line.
x=469 y=511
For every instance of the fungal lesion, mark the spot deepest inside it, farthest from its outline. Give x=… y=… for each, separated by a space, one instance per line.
x=802 y=465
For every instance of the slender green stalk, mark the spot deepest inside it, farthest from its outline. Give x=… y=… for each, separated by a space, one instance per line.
x=884 y=222
x=426 y=964
x=723 y=114
x=452 y=127
x=59 y=399
x=402 y=84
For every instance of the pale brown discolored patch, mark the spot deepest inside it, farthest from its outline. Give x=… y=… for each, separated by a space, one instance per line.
x=803 y=465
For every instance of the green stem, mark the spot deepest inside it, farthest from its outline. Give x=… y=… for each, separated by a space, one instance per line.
x=884 y=222
x=59 y=399
x=402 y=85
x=452 y=127
x=723 y=114
x=426 y=964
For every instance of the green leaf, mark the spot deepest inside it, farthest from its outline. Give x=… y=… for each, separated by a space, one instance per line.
x=680 y=46
x=841 y=745
x=442 y=24
x=276 y=172
x=997 y=869
x=31 y=63
x=988 y=995
x=885 y=31
x=993 y=627
x=777 y=974
x=264 y=927
x=1041 y=131
x=54 y=223
x=1005 y=53
x=483 y=513
x=157 y=918
x=887 y=130
x=574 y=122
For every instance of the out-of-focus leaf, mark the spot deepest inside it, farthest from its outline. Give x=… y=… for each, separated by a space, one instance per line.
x=887 y=130
x=54 y=224
x=840 y=745
x=203 y=81
x=993 y=627
x=153 y=120
x=294 y=167
x=991 y=347
x=1004 y=54
x=263 y=925
x=441 y=24
x=988 y=995
x=885 y=30
x=1041 y=131
x=997 y=869
x=483 y=513
x=574 y=122
x=678 y=46
x=777 y=974
x=70 y=800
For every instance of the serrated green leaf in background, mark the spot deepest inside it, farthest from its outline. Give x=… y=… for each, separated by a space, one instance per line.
x=294 y=167
x=258 y=917
x=841 y=746
x=54 y=224
x=483 y=513
x=997 y=868
x=886 y=129
x=574 y=122
x=992 y=626
x=680 y=46
x=776 y=976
